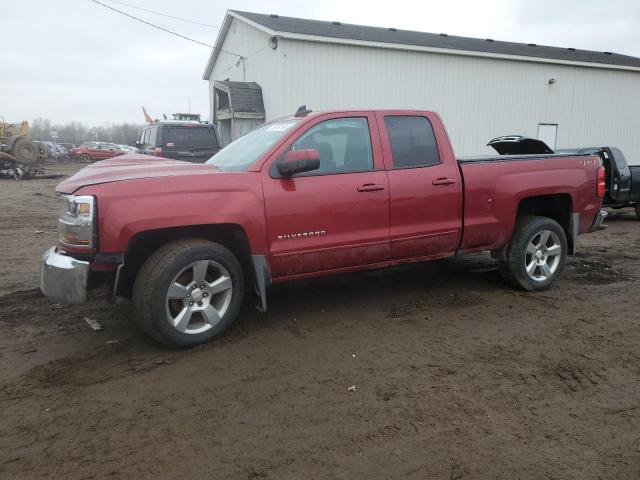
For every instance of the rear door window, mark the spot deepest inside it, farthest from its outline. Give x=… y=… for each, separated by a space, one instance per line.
x=413 y=143
x=189 y=138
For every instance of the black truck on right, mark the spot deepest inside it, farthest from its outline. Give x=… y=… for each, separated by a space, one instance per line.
x=622 y=180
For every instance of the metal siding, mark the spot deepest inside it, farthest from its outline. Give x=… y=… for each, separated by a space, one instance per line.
x=241 y=126
x=478 y=98
x=261 y=64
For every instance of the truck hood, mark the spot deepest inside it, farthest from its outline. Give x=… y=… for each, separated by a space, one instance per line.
x=131 y=167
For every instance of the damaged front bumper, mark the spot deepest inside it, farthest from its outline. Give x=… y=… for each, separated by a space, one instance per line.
x=63 y=278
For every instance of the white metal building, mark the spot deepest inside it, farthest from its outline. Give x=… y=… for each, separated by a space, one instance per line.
x=481 y=88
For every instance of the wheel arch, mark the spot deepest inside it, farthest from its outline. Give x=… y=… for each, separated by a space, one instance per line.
x=143 y=244
x=558 y=206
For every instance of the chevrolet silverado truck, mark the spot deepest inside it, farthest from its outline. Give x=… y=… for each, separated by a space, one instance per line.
x=303 y=196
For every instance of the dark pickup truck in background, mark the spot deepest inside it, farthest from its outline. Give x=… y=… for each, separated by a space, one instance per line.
x=622 y=180
x=190 y=141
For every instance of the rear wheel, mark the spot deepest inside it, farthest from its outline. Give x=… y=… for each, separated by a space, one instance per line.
x=85 y=157
x=188 y=292
x=536 y=254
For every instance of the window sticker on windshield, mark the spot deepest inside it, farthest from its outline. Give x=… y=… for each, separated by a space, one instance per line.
x=279 y=127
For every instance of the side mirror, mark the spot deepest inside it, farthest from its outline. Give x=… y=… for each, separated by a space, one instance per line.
x=299 y=161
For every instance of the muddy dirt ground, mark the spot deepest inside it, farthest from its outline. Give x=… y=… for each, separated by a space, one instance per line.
x=457 y=375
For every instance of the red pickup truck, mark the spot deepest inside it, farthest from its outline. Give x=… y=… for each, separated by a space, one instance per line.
x=312 y=194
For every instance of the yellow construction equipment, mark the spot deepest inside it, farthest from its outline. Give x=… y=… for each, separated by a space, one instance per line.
x=20 y=156
x=14 y=140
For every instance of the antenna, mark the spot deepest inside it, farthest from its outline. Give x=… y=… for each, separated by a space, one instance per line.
x=302 y=111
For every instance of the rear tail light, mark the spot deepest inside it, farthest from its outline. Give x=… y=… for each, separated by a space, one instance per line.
x=157 y=152
x=601 y=183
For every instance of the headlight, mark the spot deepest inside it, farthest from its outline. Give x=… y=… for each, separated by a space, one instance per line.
x=76 y=222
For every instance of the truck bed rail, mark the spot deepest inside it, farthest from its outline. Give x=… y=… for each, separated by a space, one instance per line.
x=508 y=158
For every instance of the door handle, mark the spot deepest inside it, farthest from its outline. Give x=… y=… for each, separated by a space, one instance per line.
x=370 y=187
x=443 y=181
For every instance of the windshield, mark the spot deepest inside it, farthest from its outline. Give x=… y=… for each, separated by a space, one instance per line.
x=239 y=155
x=190 y=138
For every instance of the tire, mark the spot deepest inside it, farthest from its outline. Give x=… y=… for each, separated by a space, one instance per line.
x=43 y=152
x=26 y=152
x=524 y=266
x=185 y=315
x=85 y=157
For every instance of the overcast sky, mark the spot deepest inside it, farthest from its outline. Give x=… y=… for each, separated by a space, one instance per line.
x=74 y=60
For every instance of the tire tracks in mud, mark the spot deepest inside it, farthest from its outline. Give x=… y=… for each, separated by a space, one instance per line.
x=62 y=376
x=26 y=313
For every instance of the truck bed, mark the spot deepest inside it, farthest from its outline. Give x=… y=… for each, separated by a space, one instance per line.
x=493 y=192
x=622 y=179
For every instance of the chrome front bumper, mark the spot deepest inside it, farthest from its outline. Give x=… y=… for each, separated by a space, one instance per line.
x=63 y=278
x=598 y=221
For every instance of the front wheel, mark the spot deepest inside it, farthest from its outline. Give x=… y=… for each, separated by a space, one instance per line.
x=188 y=292
x=536 y=254
x=85 y=158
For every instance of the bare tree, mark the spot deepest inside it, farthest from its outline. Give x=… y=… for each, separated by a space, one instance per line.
x=76 y=132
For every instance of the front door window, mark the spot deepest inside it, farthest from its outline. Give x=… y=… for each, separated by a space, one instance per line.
x=337 y=216
x=344 y=146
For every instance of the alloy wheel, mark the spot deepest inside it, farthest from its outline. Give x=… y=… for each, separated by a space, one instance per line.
x=198 y=297
x=543 y=255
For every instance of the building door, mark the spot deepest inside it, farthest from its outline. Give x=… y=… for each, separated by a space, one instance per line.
x=547 y=132
x=224 y=130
